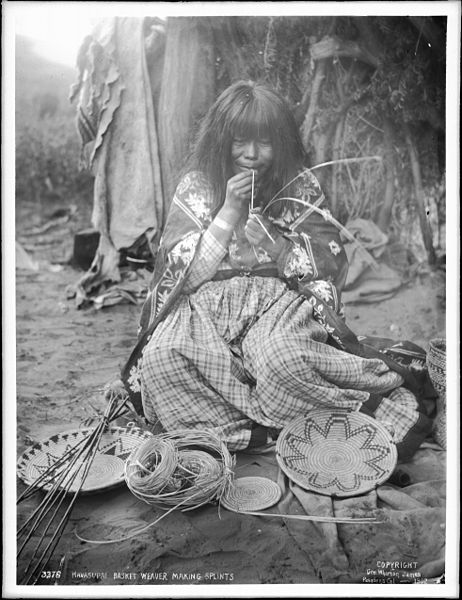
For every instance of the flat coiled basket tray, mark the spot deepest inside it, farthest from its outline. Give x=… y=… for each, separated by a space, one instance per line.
x=251 y=493
x=336 y=452
x=107 y=468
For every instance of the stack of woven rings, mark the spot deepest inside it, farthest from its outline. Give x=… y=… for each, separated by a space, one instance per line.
x=181 y=469
x=436 y=365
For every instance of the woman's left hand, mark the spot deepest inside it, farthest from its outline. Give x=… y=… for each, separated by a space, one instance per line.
x=255 y=231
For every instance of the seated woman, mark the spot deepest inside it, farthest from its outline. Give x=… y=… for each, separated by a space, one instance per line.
x=242 y=330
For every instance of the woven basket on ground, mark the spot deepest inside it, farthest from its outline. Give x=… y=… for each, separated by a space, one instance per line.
x=336 y=452
x=251 y=493
x=436 y=365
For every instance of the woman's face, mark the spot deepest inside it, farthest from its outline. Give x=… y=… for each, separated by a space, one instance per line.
x=255 y=154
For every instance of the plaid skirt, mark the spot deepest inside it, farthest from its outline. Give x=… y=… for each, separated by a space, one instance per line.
x=247 y=350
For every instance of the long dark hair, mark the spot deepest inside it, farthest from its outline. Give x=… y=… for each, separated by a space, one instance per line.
x=247 y=109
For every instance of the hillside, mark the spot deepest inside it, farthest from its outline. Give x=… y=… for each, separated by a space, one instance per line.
x=47 y=142
x=40 y=84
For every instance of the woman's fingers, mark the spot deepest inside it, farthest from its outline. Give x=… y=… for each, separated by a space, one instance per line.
x=240 y=183
x=242 y=176
x=253 y=226
x=241 y=189
x=258 y=221
x=238 y=189
x=254 y=231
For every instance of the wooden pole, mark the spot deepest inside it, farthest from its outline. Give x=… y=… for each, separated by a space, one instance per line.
x=336 y=154
x=384 y=215
x=421 y=209
x=307 y=125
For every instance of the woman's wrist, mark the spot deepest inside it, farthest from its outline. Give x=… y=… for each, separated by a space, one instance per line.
x=223 y=224
x=229 y=215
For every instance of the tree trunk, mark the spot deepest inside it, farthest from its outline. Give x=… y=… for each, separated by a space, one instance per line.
x=188 y=89
x=384 y=215
x=319 y=75
x=424 y=224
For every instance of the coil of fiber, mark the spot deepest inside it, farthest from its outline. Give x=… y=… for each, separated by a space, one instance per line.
x=181 y=469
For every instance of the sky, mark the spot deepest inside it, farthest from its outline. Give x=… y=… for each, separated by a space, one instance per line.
x=57 y=31
x=58 y=28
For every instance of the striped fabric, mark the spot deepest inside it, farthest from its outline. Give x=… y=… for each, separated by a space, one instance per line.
x=248 y=350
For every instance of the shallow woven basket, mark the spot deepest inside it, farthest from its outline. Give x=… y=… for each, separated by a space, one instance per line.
x=436 y=365
x=107 y=469
x=251 y=493
x=336 y=452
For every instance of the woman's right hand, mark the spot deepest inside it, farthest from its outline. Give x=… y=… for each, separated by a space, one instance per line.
x=238 y=191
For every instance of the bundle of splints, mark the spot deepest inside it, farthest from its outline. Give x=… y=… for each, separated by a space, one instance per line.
x=62 y=483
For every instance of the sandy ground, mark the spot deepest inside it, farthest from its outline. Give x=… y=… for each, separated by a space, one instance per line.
x=65 y=357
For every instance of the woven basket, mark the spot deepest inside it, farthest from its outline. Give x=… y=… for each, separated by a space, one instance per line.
x=107 y=469
x=251 y=493
x=436 y=365
x=336 y=452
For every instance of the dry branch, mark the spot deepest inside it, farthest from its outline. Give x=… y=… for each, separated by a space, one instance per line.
x=333 y=46
x=430 y=32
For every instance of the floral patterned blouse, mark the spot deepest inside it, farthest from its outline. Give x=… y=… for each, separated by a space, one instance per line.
x=313 y=261
x=315 y=252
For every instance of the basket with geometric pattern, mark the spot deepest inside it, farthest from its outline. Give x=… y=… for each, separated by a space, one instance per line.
x=107 y=468
x=336 y=452
x=436 y=365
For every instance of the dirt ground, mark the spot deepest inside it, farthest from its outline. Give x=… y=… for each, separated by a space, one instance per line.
x=66 y=356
